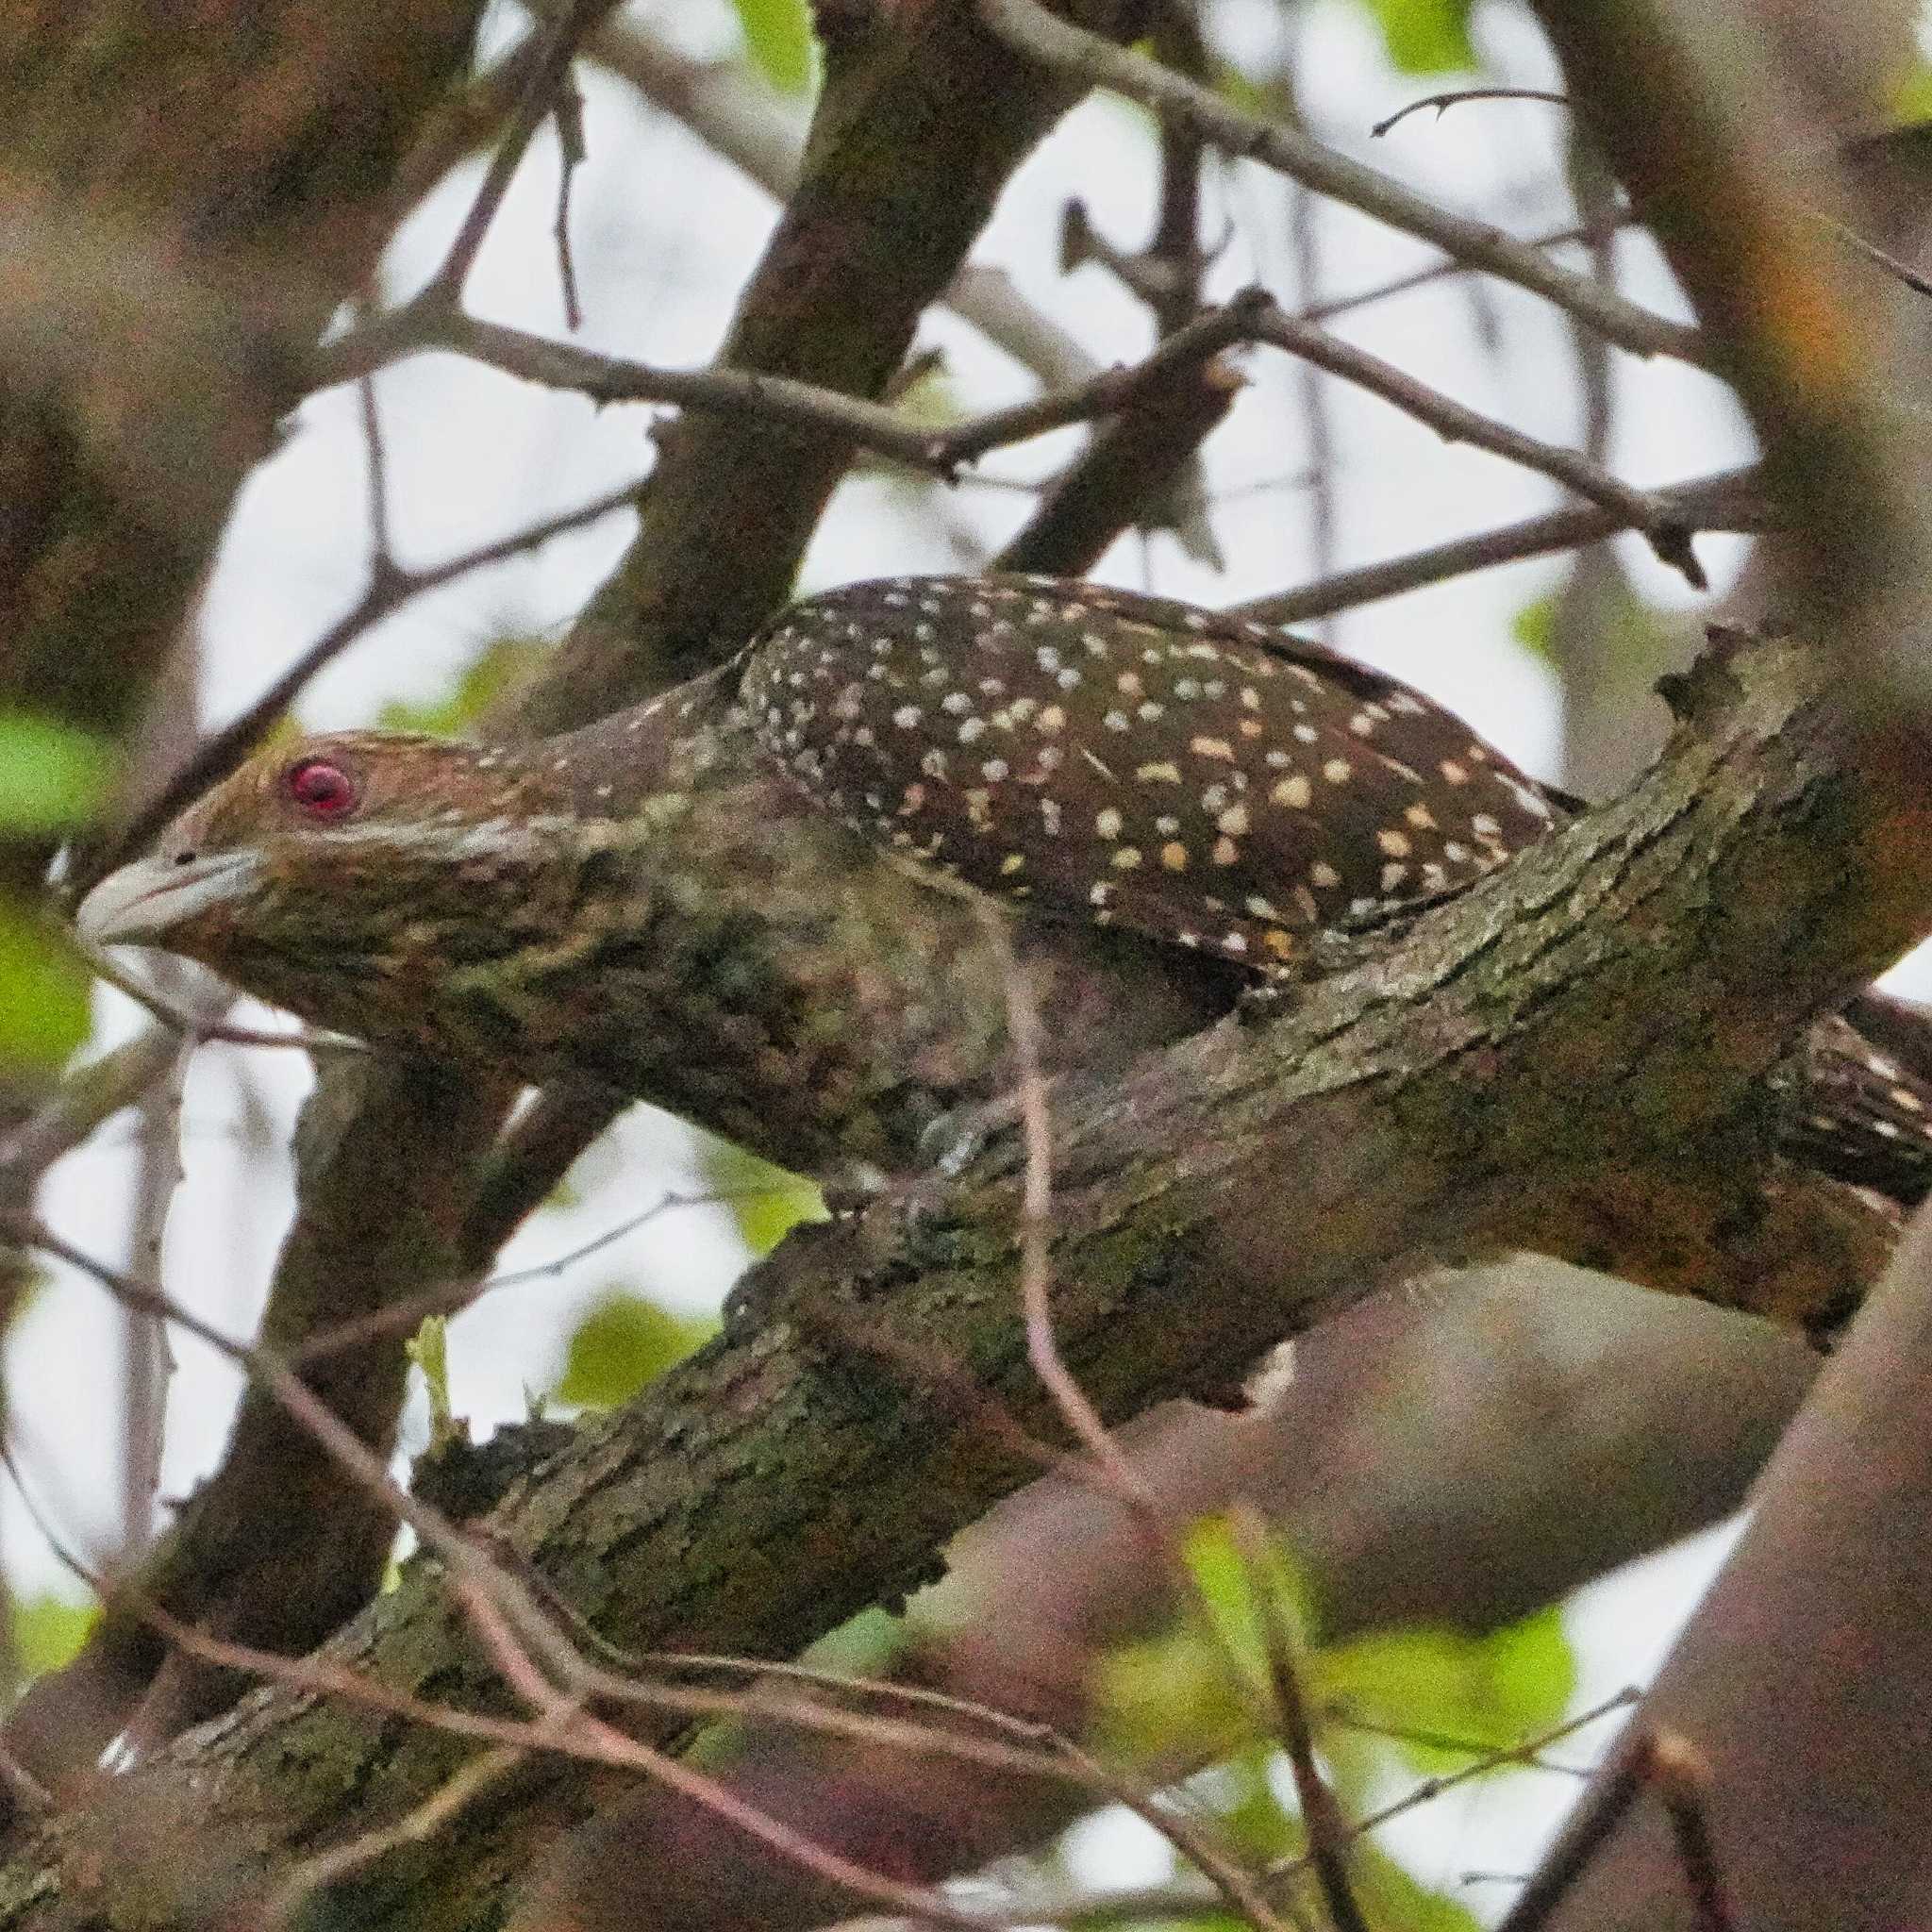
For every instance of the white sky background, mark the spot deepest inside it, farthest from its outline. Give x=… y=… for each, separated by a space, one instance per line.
x=664 y=235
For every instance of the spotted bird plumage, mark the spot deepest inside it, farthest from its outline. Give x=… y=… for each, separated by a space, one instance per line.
x=1167 y=769
x=669 y=904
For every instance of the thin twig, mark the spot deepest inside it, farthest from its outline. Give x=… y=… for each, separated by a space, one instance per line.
x=1729 y=500
x=1327 y=1825
x=1653 y=512
x=1043 y=1350
x=87 y=1099
x=1249 y=317
x=778 y=398
x=1343 y=1717
x=219 y=754
x=1602 y=1810
x=199 y=1028
x=404 y=1316
x=1430 y=1789
x=548 y=73
x=567 y=111
x=1904 y=271
x=382 y=555
x=562 y=1729
x=471 y=1568
x=1031 y=30
x=148 y=1362
x=1682 y=1776
x=1459 y=96
x=459 y=1553
x=322 y=1869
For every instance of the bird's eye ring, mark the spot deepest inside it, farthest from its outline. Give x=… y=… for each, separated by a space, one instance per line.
x=321 y=788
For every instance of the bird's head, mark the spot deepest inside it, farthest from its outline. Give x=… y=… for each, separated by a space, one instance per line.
x=344 y=877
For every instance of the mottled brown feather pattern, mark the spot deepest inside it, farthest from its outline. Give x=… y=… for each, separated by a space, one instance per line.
x=661 y=901
x=1214 y=783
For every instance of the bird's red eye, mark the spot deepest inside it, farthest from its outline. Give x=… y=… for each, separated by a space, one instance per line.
x=322 y=789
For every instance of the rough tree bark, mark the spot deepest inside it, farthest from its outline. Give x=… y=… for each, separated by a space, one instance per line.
x=1427 y=1103
x=1504 y=1076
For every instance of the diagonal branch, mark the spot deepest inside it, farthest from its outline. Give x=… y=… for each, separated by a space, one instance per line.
x=1503 y=1077
x=1030 y=29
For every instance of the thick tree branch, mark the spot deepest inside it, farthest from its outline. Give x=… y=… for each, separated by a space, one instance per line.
x=724 y=519
x=1504 y=1076
x=1803 y=1677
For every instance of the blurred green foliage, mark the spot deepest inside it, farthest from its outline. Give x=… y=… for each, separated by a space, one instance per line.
x=778 y=38
x=622 y=1343
x=1386 y=1708
x=428 y=1348
x=52 y=774
x=767 y=1202
x=44 y=988
x=1911 y=101
x=1636 y=634
x=498 y=667
x=48 y=1632
x=1426 y=36
x=866 y=1645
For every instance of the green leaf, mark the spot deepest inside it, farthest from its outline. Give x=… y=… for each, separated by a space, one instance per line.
x=428 y=1348
x=1426 y=36
x=52 y=773
x=1633 y=636
x=496 y=669
x=624 y=1342
x=1186 y=1688
x=767 y=1202
x=48 y=1632
x=1911 y=100
x=43 y=991
x=1449 y=1696
x=931 y=400
x=1249 y=1811
x=1393 y=1900
x=865 y=1645
x=778 y=38
x=1240 y=1594
x=1535 y=628
x=1167 y=1695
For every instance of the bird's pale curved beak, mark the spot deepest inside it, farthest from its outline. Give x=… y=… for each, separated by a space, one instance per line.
x=143 y=902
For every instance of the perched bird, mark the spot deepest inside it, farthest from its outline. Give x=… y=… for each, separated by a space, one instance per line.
x=679 y=902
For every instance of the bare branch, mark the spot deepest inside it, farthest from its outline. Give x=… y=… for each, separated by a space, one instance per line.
x=1729 y=500
x=1651 y=511
x=1030 y=29
x=549 y=73
x=1327 y=1823
x=1459 y=96
x=387 y=591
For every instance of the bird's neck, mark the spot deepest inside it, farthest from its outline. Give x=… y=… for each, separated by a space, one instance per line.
x=732 y=953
